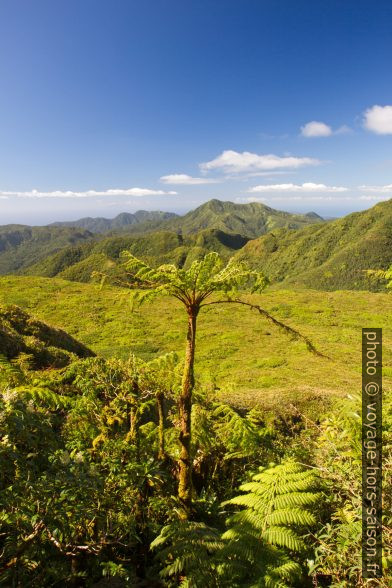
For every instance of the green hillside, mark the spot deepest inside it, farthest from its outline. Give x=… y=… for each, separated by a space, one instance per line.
x=328 y=256
x=77 y=263
x=248 y=359
x=22 y=246
x=46 y=346
x=252 y=219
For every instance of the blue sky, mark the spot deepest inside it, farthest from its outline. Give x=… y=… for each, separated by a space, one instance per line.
x=107 y=106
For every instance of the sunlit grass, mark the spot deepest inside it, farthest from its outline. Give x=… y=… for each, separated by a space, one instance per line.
x=249 y=359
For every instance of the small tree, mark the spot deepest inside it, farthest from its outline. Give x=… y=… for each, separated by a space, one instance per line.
x=161 y=374
x=194 y=288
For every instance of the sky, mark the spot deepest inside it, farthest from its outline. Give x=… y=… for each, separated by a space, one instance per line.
x=120 y=105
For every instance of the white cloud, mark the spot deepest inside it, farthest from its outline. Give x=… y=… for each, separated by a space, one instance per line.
x=373 y=197
x=306 y=187
x=235 y=162
x=319 y=129
x=378 y=119
x=269 y=174
x=316 y=129
x=185 y=180
x=87 y=194
x=343 y=130
x=286 y=199
x=387 y=189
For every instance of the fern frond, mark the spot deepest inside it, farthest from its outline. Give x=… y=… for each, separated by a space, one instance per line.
x=45 y=396
x=276 y=512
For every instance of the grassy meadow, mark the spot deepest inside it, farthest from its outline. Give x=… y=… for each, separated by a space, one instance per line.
x=244 y=358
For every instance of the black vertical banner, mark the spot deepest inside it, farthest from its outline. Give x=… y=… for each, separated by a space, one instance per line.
x=372 y=453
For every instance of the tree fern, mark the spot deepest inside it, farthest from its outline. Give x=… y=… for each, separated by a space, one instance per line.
x=186 y=551
x=42 y=395
x=269 y=530
x=10 y=373
x=19 y=382
x=241 y=435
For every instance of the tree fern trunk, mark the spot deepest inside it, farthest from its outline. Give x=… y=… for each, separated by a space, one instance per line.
x=161 y=425
x=133 y=435
x=185 y=409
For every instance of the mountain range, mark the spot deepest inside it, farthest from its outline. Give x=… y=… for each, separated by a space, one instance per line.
x=142 y=219
x=251 y=220
x=292 y=249
x=22 y=247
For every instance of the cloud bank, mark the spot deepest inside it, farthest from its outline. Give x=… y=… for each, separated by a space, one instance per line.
x=387 y=189
x=305 y=187
x=138 y=192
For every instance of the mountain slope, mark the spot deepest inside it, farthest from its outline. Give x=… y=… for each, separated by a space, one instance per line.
x=22 y=246
x=330 y=256
x=251 y=220
x=123 y=221
x=47 y=346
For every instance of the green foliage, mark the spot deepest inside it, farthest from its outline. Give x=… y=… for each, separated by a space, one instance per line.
x=195 y=285
x=338 y=456
x=278 y=503
x=84 y=493
x=185 y=550
x=241 y=436
x=262 y=545
x=78 y=263
x=74 y=484
x=380 y=275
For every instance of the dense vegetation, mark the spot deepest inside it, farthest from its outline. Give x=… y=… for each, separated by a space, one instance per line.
x=89 y=456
